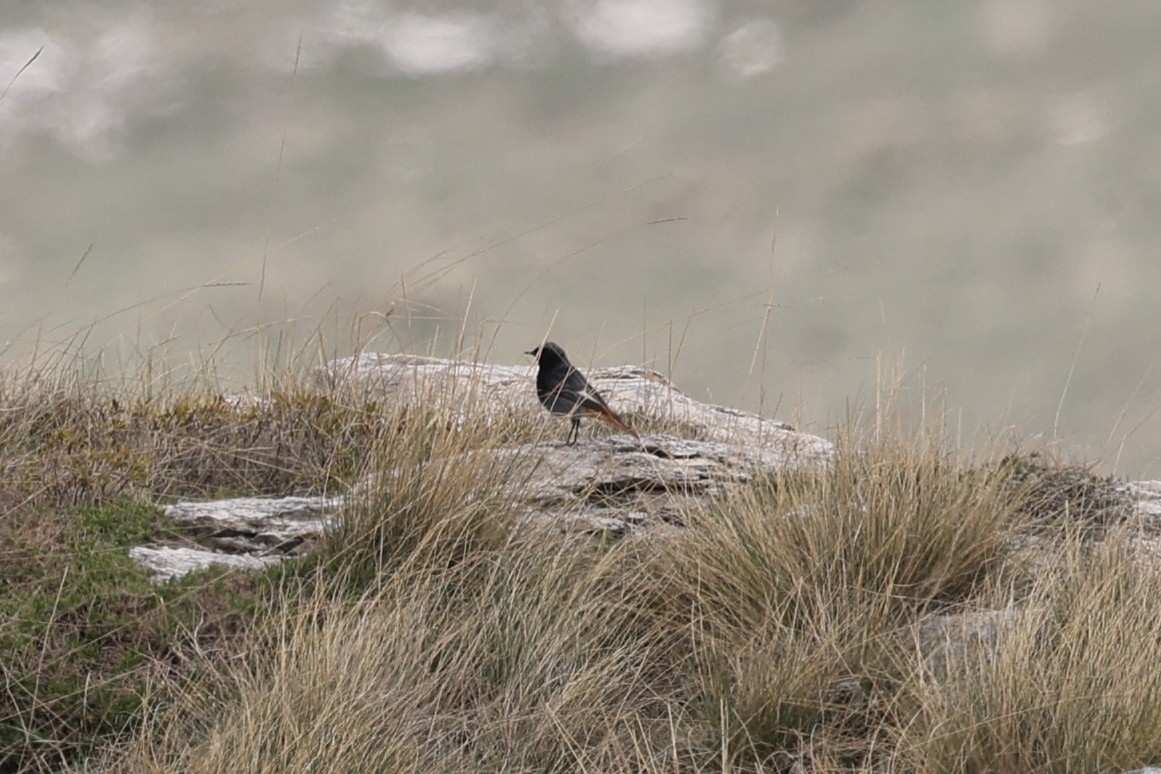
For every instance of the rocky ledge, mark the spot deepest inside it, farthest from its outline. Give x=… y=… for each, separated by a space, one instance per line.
x=608 y=484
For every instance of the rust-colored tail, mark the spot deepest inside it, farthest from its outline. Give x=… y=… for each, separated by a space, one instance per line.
x=616 y=422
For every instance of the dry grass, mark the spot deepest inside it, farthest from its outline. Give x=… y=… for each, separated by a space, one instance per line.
x=436 y=631
x=799 y=593
x=76 y=446
x=1071 y=683
x=528 y=657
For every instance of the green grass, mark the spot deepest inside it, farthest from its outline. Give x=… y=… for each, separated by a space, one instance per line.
x=84 y=632
x=88 y=641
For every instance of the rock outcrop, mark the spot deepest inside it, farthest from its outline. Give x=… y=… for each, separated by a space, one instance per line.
x=244 y=532
x=613 y=483
x=608 y=484
x=167 y=562
x=506 y=390
x=1147 y=497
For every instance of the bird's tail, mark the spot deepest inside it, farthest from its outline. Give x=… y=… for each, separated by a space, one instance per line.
x=616 y=422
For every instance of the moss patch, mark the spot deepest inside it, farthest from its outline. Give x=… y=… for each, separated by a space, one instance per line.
x=83 y=631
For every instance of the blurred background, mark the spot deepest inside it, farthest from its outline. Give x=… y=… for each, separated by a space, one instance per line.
x=781 y=204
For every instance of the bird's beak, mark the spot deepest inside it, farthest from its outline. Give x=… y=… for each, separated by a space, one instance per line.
x=531 y=352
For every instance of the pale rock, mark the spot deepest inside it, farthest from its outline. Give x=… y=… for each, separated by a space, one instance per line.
x=630 y=390
x=255 y=524
x=166 y=563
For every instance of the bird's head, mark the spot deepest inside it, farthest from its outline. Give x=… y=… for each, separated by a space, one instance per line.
x=549 y=353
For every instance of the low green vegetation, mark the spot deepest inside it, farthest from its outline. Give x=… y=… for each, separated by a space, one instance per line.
x=781 y=628
x=85 y=635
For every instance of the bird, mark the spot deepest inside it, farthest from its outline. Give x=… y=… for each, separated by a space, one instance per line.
x=564 y=391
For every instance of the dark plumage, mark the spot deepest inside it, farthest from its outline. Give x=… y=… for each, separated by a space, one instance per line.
x=564 y=391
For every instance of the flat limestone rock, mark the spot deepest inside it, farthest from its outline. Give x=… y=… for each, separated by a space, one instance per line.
x=961 y=635
x=1147 y=495
x=166 y=563
x=620 y=480
x=615 y=483
x=243 y=532
x=255 y=524
x=609 y=484
x=631 y=391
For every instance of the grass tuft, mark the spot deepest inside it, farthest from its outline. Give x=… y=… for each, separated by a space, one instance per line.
x=1070 y=684
x=797 y=594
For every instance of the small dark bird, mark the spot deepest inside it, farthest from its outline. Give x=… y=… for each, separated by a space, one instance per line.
x=564 y=391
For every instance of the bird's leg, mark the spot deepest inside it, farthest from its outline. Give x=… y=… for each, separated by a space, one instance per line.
x=573 y=432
